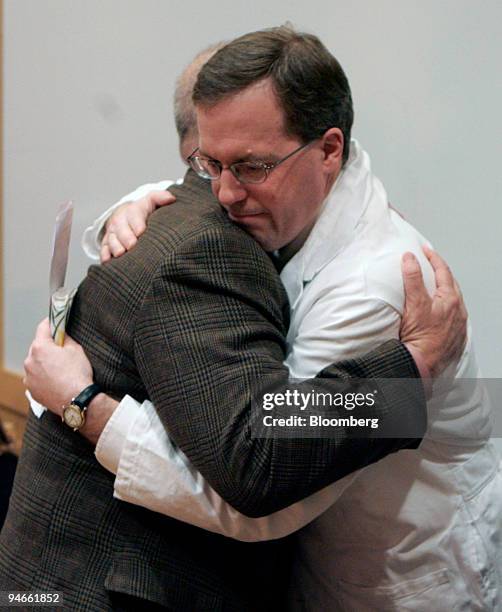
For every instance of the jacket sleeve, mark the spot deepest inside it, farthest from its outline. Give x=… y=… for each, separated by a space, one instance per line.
x=209 y=336
x=153 y=473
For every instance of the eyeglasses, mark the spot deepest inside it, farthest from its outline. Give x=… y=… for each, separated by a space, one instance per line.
x=244 y=172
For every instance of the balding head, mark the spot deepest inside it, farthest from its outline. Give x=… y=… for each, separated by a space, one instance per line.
x=184 y=110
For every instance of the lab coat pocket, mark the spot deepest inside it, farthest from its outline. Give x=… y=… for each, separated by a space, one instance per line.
x=482 y=538
x=432 y=592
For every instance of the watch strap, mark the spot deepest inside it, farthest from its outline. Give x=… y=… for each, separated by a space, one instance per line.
x=85 y=397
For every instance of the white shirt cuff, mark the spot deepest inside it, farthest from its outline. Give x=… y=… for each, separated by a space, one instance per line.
x=113 y=437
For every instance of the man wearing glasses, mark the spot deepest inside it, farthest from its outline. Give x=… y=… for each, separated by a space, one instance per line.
x=280 y=205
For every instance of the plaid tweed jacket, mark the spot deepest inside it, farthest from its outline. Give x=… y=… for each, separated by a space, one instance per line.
x=191 y=318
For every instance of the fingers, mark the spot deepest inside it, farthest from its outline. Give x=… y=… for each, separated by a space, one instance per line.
x=42 y=339
x=105 y=253
x=162 y=198
x=43 y=331
x=115 y=245
x=122 y=230
x=442 y=272
x=458 y=292
x=121 y=225
x=463 y=315
x=128 y=222
x=414 y=287
x=136 y=226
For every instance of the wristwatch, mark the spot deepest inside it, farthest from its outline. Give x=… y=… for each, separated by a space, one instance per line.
x=74 y=412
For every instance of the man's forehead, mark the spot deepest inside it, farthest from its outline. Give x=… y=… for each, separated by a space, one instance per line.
x=247 y=125
x=238 y=152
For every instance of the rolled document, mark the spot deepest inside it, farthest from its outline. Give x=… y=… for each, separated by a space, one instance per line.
x=60 y=298
x=60 y=307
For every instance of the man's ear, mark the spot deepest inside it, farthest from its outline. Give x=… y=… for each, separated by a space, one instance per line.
x=332 y=144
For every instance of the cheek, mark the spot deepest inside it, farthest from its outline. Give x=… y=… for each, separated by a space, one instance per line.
x=287 y=206
x=272 y=197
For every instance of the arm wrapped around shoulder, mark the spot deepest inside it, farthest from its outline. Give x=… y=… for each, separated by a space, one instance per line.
x=209 y=338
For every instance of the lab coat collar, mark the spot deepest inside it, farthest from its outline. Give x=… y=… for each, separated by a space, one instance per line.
x=341 y=212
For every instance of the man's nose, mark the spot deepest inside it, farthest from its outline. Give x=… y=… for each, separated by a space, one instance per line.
x=228 y=189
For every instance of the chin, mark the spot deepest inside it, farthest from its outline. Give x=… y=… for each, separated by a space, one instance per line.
x=266 y=243
x=269 y=241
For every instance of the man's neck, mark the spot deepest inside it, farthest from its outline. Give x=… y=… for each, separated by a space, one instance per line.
x=287 y=252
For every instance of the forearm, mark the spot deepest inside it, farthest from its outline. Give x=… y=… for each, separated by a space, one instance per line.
x=151 y=472
x=97 y=415
x=260 y=476
x=216 y=368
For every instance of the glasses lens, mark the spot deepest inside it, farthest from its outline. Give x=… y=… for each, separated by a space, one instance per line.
x=249 y=172
x=205 y=168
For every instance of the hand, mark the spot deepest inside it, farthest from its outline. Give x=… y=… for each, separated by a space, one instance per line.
x=437 y=326
x=128 y=222
x=55 y=374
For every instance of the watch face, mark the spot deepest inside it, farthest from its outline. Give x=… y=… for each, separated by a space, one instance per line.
x=73 y=416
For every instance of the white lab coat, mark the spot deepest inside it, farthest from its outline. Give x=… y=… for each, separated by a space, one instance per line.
x=419 y=530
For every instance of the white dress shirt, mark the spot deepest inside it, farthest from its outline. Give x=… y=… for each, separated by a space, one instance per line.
x=419 y=529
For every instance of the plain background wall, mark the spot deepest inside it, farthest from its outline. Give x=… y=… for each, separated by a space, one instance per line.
x=88 y=116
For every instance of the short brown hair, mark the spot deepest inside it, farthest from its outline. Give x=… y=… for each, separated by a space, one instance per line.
x=308 y=80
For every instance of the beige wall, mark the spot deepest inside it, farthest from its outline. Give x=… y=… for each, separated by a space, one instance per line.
x=12 y=401
x=87 y=116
